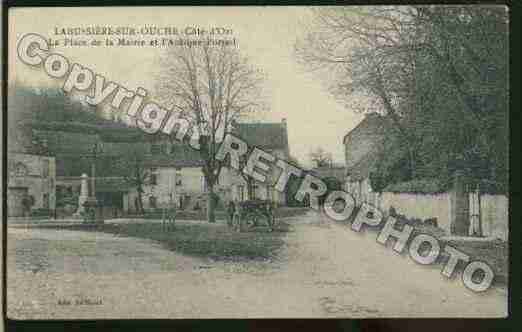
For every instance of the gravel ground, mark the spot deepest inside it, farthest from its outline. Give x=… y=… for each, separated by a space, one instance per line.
x=324 y=270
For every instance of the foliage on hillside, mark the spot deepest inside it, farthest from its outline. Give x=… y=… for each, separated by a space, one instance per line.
x=66 y=128
x=49 y=105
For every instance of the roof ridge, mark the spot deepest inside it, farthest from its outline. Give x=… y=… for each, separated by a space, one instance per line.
x=368 y=118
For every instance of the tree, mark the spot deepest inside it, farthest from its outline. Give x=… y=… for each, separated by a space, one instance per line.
x=50 y=104
x=38 y=117
x=211 y=87
x=131 y=165
x=466 y=50
x=363 y=49
x=439 y=73
x=320 y=157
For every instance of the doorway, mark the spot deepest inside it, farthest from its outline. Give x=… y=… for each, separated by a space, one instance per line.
x=15 y=198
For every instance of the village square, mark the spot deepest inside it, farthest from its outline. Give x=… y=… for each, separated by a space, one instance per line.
x=113 y=213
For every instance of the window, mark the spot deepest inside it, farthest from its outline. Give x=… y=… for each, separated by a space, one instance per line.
x=178 y=178
x=155 y=148
x=45 y=168
x=255 y=191
x=21 y=170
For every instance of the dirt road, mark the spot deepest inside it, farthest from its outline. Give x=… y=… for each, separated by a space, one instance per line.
x=324 y=270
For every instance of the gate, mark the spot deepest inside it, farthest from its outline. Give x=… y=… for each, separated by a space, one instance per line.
x=15 y=205
x=475 y=220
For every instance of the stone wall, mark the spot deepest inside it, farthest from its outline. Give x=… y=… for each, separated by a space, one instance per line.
x=420 y=206
x=492 y=209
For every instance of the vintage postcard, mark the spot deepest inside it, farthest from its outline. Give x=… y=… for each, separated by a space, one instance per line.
x=257 y=162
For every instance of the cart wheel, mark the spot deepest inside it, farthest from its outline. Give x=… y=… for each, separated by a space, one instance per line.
x=250 y=220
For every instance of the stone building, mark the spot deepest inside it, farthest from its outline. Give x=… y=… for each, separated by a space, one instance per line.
x=175 y=173
x=362 y=146
x=270 y=137
x=30 y=177
x=175 y=169
x=31 y=174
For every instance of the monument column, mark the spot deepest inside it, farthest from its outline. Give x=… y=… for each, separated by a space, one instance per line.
x=84 y=194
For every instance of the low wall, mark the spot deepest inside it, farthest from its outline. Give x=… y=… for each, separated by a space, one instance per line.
x=281 y=212
x=420 y=206
x=493 y=209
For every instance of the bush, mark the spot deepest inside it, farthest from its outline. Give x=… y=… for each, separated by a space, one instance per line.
x=287 y=212
x=153 y=211
x=280 y=212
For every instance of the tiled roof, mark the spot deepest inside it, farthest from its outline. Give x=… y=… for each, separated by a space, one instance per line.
x=62 y=142
x=372 y=123
x=268 y=136
x=112 y=185
x=181 y=156
x=121 y=133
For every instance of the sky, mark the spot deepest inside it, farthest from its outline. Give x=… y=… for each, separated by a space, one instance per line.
x=265 y=34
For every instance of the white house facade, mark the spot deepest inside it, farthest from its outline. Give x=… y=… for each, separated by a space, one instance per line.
x=176 y=172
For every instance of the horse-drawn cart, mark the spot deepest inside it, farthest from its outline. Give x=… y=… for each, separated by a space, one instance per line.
x=253 y=213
